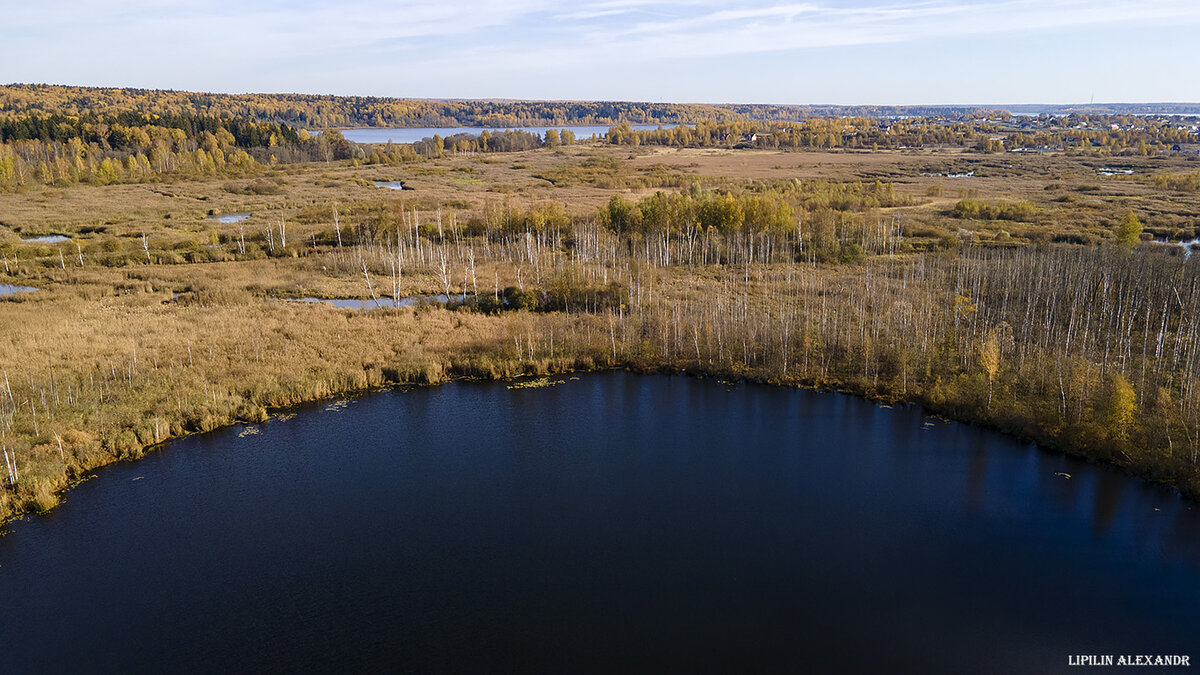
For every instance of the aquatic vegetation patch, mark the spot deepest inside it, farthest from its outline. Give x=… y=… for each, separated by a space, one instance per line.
x=540 y=382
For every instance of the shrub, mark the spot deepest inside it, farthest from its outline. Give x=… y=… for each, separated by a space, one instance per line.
x=515 y=298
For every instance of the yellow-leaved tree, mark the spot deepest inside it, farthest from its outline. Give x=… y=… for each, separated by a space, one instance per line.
x=1120 y=408
x=1129 y=231
x=989 y=360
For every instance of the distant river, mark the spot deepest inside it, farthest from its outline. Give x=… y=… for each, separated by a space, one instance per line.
x=614 y=523
x=415 y=134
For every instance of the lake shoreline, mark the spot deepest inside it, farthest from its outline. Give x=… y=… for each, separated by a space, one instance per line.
x=1046 y=445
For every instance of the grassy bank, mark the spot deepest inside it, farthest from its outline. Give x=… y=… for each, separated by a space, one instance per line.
x=100 y=380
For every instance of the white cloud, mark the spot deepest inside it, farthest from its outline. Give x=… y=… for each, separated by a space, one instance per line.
x=808 y=26
x=242 y=44
x=802 y=26
x=697 y=27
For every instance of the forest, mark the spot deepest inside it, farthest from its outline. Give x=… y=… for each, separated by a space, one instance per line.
x=135 y=148
x=319 y=112
x=54 y=135
x=1096 y=135
x=311 y=111
x=315 y=111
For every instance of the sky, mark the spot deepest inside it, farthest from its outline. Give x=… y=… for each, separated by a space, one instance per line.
x=897 y=52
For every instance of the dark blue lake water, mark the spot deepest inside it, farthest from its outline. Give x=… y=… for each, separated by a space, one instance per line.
x=613 y=523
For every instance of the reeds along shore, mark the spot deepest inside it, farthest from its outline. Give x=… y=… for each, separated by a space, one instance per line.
x=1091 y=350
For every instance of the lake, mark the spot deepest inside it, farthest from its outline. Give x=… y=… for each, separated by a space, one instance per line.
x=401 y=135
x=610 y=523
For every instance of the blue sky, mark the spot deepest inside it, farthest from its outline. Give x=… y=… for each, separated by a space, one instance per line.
x=823 y=51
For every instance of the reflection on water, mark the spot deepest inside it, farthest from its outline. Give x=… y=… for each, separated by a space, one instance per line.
x=1107 y=500
x=977 y=475
x=390 y=184
x=48 y=239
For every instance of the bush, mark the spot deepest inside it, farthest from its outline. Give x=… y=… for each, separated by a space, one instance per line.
x=851 y=252
x=488 y=303
x=979 y=210
x=516 y=298
x=261 y=186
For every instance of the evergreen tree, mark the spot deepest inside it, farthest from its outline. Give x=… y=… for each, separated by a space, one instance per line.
x=1129 y=231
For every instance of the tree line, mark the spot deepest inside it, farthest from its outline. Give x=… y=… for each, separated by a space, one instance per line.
x=817 y=133
x=1145 y=137
x=509 y=140
x=313 y=111
x=63 y=149
x=321 y=111
x=130 y=130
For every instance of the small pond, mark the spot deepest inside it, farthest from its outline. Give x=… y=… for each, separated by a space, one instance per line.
x=228 y=217
x=9 y=289
x=1188 y=246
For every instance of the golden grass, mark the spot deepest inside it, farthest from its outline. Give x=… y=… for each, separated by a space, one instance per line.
x=109 y=377
x=1072 y=197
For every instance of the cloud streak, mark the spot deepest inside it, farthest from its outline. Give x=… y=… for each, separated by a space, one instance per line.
x=271 y=45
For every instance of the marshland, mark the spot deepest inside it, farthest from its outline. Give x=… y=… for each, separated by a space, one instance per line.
x=919 y=263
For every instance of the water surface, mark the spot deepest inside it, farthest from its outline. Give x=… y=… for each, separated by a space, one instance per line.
x=10 y=289
x=228 y=217
x=390 y=184
x=48 y=239
x=1187 y=245
x=613 y=523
